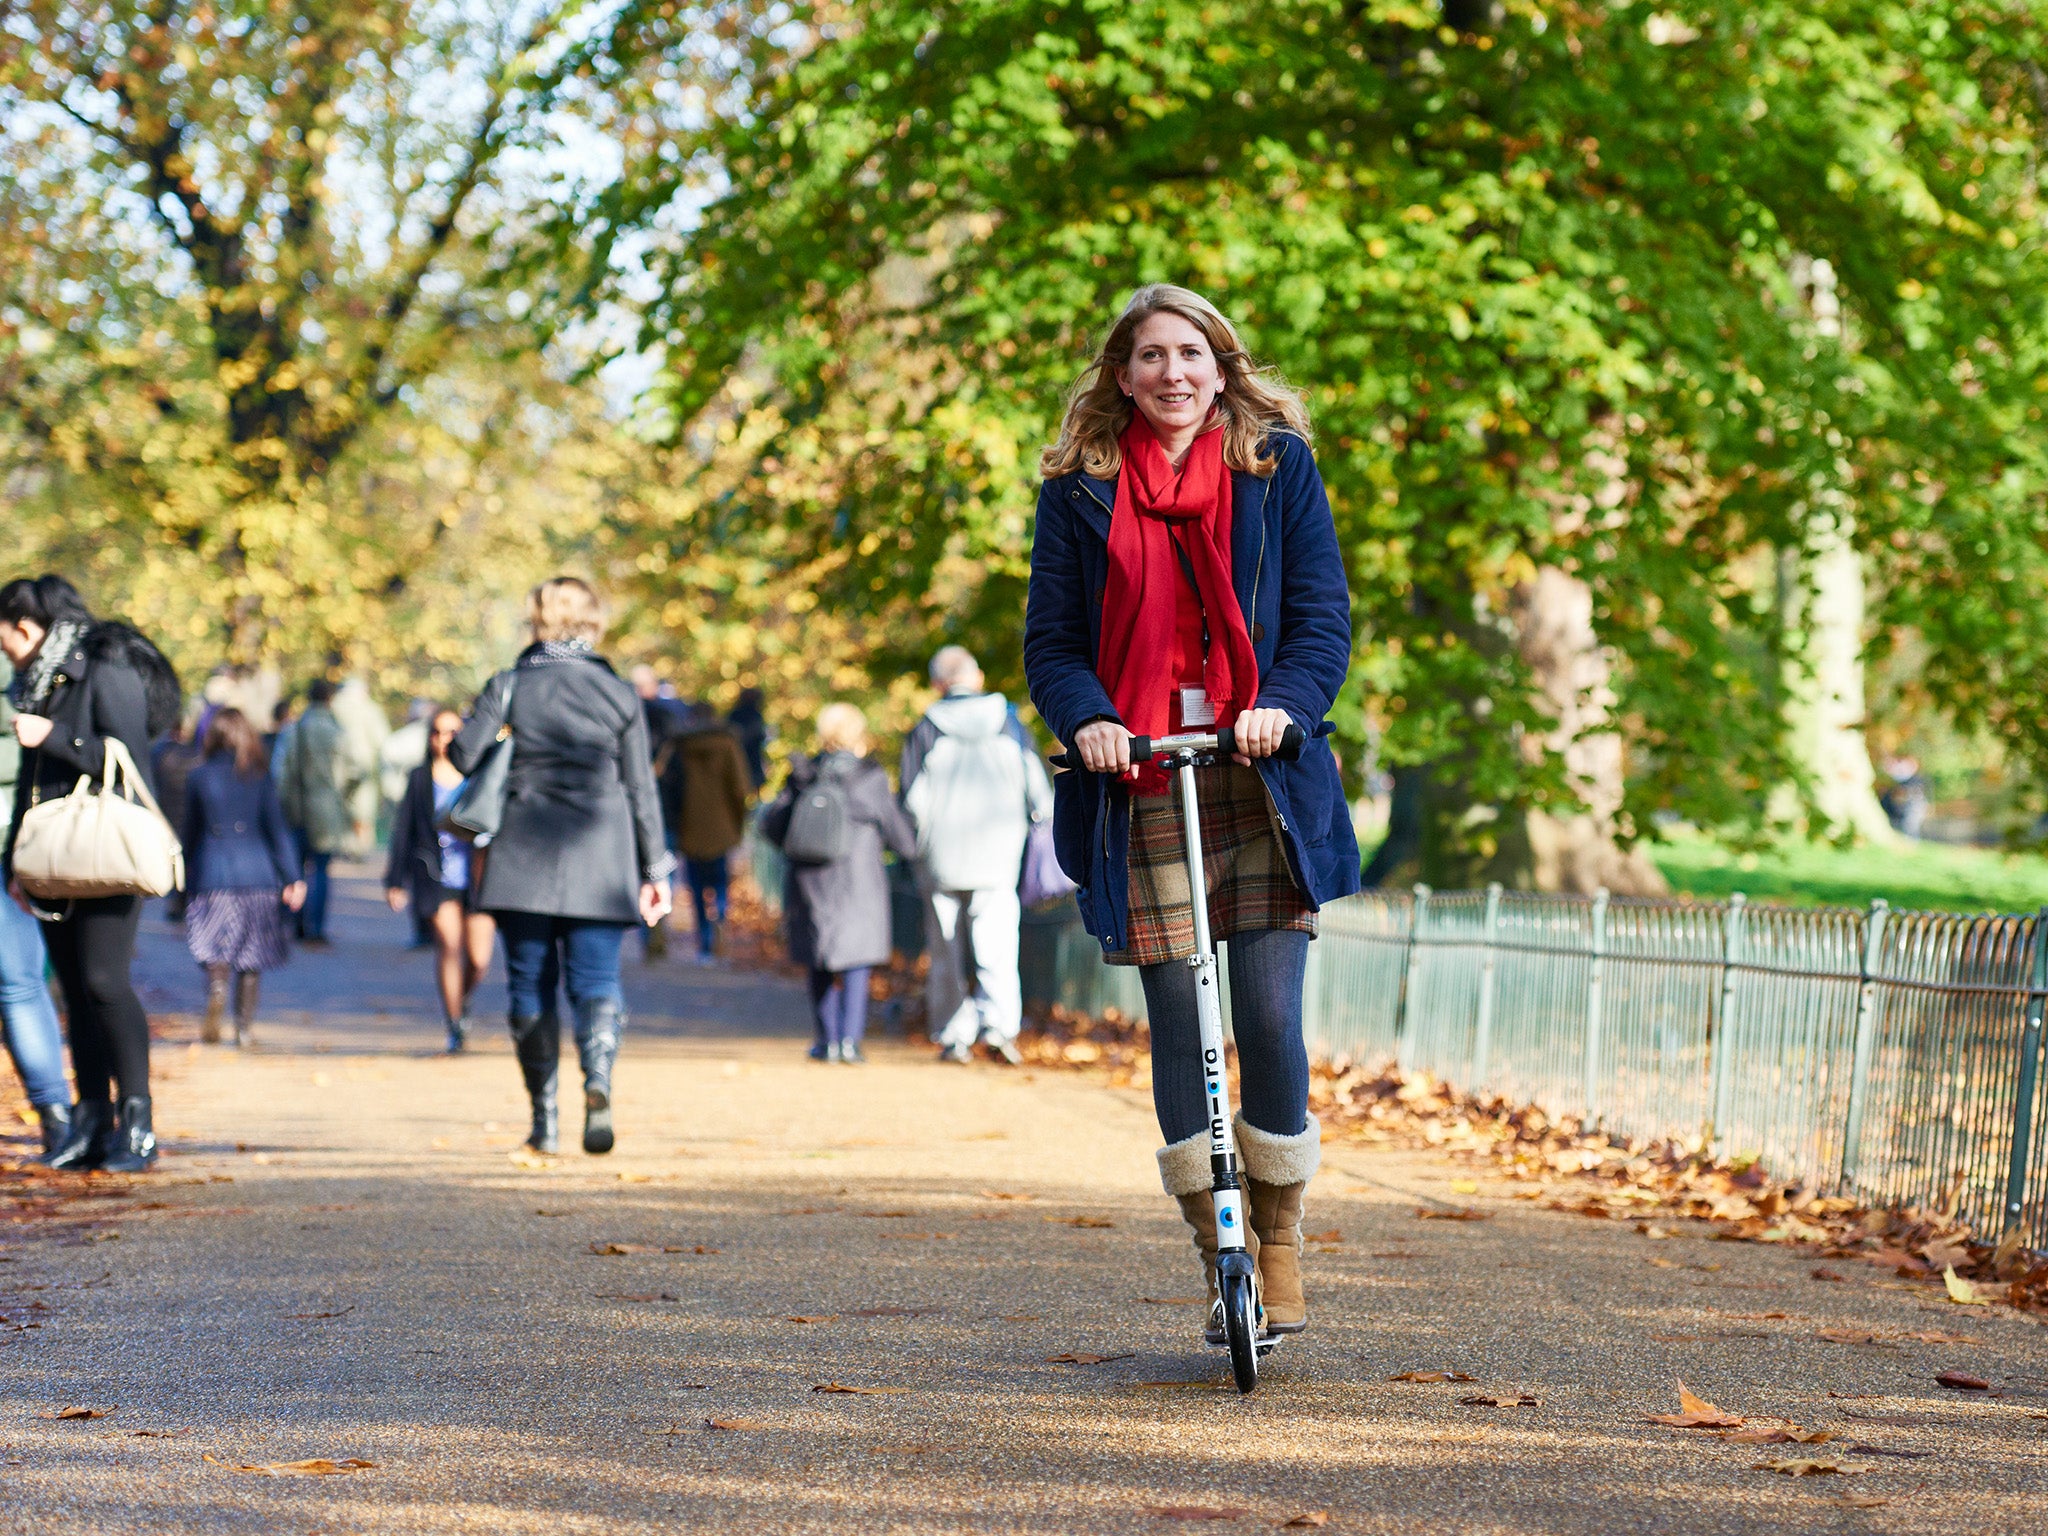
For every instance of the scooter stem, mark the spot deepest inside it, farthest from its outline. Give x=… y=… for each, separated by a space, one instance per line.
x=1229 y=1201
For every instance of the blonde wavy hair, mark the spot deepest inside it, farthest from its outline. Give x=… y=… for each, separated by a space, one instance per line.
x=565 y=608
x=1255 y=403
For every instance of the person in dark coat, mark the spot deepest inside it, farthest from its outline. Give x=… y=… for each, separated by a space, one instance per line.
x=579 y=857
x=837 y=913
x=80 y=683
x=242 y=871
x=436 y=873
x=751 y=726
x=171 y=761
x=1185 y=573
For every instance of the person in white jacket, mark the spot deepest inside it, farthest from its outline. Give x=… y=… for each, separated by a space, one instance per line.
x=973 y=785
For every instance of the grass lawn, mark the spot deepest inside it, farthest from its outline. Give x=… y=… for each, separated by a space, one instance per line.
x=1911 y=876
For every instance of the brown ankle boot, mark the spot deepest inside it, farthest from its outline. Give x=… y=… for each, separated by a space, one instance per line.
x=1277 y=1170
x=246 y=985
x=216 y=1003
x=1184 y=1170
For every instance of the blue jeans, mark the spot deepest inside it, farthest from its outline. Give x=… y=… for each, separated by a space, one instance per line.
x=541 y=952
x=839 y=1004
x=709 y=880
x=33 y=1039
x=312 y=922
x=1267 y=969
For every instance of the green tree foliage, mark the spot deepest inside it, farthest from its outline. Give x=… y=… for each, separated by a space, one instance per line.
x=1560 y=280
x=270 y=308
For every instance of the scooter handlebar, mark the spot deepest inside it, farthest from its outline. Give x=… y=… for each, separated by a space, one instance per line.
x=1224 y=741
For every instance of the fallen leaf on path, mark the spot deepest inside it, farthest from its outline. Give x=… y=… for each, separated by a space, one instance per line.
x=1464 y=1186
x=1664 y=1263
x=1307 y=1519
x=1173 y=1301
x=615 y=1250
x=831 y=1317
x=734 y=1424
x=539 y=1212
x=1183 y=1386
x=1944 y=1254
x=1084 y=1359
x=1697 y=1413
x=1962 y=1381
x=1521 y=1400
x=309 y=1317
x=1860 y=1449
x=159 y=1434
x=1194 y=1512
x=1432 y=1376
x=1858 y=1500
x=1939 y=1336
x=1331 y=1236
x=1004 y=1194
x=888 y=1215
x=1824 y=1273
x=1652 y=1230
x=1081 y=1221
x=837 y=1386
x=1807 y=1466
x=1853 y=1336
x=1789 y=1434
x=1961 y=1291
x=1424 y=1214
x=1023 y=1317
x=77 y=1413
x=916 y=1237
x=318 y=1466
x=1678 y=1338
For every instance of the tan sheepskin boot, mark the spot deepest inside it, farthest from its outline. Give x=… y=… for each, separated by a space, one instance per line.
x=1184 y=1171
x=1277 y=1170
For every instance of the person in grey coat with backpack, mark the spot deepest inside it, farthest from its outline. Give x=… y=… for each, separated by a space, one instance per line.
x=578 y=857
x=832 y=821
x=974 y=787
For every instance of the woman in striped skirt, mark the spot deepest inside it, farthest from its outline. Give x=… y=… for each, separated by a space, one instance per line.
x=242 y=871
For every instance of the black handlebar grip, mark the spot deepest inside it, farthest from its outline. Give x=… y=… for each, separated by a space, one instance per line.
x=1292 y=740
x=1141 y=749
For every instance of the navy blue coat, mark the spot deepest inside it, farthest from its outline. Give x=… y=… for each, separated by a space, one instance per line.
x=1291 y=586
x=234 y=833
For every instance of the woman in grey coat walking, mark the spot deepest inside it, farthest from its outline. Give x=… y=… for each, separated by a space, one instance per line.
x=836 y=909
x=579 y=857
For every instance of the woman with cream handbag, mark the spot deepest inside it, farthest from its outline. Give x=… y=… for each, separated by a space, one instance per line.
x=90 y=696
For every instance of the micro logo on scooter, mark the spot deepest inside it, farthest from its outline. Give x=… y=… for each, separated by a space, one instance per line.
x=1229 y=1217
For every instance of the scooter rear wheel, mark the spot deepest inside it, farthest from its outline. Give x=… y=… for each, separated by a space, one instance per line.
x=1241 y=1328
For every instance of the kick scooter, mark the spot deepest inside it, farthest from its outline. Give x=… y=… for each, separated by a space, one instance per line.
x=1237 y=1281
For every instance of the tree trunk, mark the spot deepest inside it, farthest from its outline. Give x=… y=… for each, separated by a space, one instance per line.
x=1820 y=605
x=1553 y=616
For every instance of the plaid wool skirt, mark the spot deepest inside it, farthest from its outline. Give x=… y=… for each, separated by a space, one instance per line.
x=1243 y=860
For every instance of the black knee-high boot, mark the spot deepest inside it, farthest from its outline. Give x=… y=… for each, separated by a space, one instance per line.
x=599 y=1048
x=538 y=1043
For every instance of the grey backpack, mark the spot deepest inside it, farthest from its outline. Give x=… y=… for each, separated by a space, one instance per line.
x=821 y=820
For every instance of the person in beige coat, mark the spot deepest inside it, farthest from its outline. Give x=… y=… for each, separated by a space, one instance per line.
x=704 y=776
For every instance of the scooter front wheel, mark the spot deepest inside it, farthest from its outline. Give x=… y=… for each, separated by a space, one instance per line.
x=1240 y=1300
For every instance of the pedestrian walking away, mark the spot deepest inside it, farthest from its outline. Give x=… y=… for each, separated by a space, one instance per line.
x=665 y=714
x=973 y=786
x=832 y=821
x=28 y=1018
x=1185 y=575
x=751 y=726
x=706 y=785
x=435 y=872
x=315 y=785
x=242 y=872
x=79 y=684
x=579 y=856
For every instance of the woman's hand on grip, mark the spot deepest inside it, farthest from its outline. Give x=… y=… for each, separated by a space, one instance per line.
x=656 y=902
x=1103 y=747
x=1258 y=732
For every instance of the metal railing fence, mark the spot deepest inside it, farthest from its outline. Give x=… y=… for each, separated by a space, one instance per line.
x=1892 y=1056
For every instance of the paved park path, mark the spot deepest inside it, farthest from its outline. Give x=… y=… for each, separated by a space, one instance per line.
x=344 y=1256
